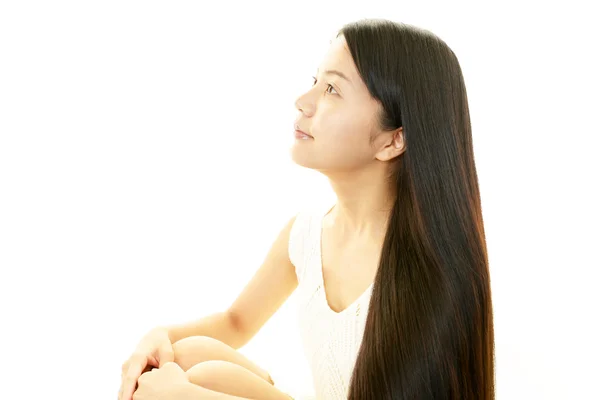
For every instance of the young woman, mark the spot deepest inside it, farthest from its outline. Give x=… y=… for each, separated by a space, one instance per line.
x=393 y=278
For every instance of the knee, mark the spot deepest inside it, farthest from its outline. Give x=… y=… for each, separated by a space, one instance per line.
x=211 y=374
x=194 y=350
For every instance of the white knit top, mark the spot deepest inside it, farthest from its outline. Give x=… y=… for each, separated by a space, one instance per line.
x=331 y=340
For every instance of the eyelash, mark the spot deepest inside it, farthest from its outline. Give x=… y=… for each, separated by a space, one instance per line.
x=328 y=85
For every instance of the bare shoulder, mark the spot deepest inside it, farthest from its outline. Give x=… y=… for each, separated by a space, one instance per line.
x=274 y=281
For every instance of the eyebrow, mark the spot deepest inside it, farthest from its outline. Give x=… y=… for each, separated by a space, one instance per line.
x=335 y=72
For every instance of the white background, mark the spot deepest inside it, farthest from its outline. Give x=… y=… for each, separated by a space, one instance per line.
x=145 y=172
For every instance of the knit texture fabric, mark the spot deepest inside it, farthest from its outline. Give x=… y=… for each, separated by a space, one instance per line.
x=330 y=340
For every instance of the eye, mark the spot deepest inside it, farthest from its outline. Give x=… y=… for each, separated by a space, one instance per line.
x=328 y=85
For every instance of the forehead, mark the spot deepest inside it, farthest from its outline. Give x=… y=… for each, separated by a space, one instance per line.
x=338 y=57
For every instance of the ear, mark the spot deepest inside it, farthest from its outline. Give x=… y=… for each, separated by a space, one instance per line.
x=393 y=145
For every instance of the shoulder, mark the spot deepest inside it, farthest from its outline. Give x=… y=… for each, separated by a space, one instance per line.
x=302 y=236
x=305 y=219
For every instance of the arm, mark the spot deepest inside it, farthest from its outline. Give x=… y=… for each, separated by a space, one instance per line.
x=270 y=287
x=218 y=325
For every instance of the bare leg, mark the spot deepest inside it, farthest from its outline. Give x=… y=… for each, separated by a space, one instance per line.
x=225 y=377
x=198 y=349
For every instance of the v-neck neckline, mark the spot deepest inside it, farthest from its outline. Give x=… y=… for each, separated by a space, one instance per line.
x=321 y=275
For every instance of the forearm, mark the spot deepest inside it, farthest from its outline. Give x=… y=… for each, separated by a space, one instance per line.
x=218 y=325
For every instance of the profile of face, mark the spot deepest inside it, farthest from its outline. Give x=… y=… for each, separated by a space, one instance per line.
x=341 y=115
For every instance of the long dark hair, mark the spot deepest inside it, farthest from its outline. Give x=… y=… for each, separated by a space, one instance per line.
x=429 y=330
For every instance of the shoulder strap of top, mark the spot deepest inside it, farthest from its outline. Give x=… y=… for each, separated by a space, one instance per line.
x=304 y=238
x=299 y=242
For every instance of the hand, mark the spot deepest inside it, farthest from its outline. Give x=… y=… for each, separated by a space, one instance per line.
x=165 y=383
x=154 y=350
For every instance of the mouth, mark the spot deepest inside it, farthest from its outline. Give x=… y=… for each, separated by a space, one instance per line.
x=302 y=135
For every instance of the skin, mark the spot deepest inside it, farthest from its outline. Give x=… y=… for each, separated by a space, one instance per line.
x=341 y=115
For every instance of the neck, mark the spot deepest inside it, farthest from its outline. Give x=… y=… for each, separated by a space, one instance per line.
x=364 y=202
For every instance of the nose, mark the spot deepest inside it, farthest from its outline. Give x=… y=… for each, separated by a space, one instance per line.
x=297 y=104
x=303 y=105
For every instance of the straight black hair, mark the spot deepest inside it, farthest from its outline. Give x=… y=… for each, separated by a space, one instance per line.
x=429 y=330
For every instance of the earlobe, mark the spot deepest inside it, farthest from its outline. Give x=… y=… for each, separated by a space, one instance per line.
x=390 y=153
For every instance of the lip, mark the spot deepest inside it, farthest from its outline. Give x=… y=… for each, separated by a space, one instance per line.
x=296 y=129
x=301 y=134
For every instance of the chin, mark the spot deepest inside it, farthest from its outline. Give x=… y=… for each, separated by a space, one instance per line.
x=302 y=158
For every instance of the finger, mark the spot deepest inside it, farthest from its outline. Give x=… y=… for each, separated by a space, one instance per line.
x=152 y=363
x=165 y=353
x=135 y=370
x=143 y=378
x=124 y=368
x=123 y=376
x=121 y=393
x=171 y=369
x=169 y=366
x=149 y=368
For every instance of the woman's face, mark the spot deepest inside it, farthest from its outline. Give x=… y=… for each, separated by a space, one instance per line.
x=339 y=114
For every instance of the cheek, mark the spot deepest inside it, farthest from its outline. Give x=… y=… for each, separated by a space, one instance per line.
x=348 y=137
x=339 y=127
x=343 y=131
x=346 y=147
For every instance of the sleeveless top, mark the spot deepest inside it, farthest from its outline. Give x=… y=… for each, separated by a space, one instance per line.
x=330 y=340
